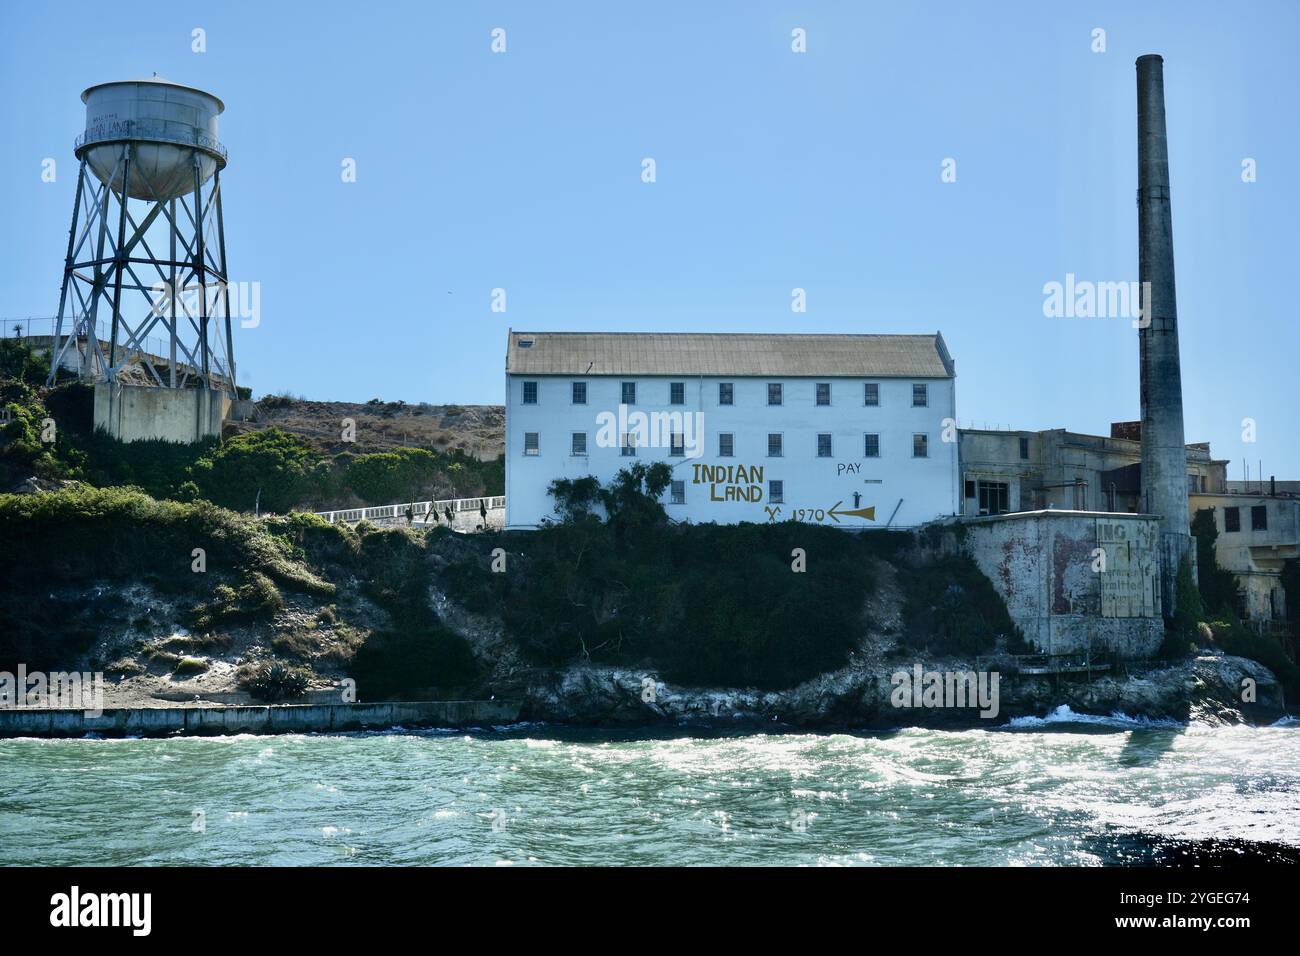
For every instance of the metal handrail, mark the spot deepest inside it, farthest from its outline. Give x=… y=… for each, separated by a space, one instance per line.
x=419 y=509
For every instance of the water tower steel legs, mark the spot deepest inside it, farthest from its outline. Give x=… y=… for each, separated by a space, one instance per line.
x=191 y=264
x=119 y=258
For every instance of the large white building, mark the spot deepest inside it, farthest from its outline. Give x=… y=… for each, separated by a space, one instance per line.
x=856 y=431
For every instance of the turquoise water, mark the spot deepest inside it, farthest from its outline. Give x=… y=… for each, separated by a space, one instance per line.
x=1043 y=792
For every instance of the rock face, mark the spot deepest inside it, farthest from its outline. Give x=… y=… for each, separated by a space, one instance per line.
x=1217 y=689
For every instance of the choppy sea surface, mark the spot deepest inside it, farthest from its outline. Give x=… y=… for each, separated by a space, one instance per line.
x=1060 y=790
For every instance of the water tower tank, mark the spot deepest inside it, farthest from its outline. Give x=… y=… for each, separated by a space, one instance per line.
x=169 y=127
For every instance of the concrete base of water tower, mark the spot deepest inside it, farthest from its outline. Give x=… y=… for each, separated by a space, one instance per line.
x=136 y=412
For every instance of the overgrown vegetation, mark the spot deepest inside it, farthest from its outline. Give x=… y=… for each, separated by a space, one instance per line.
x=1207 y=612
x=1218 y=588
x=50 y=435
x=83 y=535
x=764 y=605
x=952 y=608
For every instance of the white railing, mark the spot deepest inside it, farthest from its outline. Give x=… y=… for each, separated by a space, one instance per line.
x=419 y=510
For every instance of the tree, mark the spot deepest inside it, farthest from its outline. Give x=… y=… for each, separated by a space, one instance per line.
x=1218 y=587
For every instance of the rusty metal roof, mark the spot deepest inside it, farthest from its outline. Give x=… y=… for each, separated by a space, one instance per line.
x=718 y=353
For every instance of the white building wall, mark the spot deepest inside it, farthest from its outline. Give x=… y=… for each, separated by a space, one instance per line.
x=922 y=489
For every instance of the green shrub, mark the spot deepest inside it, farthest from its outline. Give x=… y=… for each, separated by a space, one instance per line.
x=19 y=361
x=1235 y=638
x=190 y=665
x=277 y=681
x=271 y=469
x=1218 y=588
x=950 y=607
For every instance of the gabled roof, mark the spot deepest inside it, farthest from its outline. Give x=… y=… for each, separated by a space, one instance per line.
x=739 y=354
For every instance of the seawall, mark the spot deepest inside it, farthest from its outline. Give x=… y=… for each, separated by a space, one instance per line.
x=269 y=719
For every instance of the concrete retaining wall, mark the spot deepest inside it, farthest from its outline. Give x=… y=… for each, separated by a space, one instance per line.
x=276 y=719
x=136 y=412
x=1045 y=565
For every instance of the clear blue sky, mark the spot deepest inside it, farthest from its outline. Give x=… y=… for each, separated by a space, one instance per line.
x=775 y=170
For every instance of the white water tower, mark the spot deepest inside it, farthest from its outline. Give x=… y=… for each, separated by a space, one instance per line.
x=145 y=302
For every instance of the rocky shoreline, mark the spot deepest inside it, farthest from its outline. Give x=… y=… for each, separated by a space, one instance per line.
x=1205 y=689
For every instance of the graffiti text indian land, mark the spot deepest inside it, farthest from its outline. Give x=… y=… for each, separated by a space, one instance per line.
x=730 y=482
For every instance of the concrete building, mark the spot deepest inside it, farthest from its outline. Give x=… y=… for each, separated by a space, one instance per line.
x=856 y=431
x=1258 y=534
x=1075 y=583
x=1012 y=471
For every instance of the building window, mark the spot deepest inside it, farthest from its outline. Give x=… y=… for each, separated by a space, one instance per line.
x=530 y=443
x=1024 y=449
x=920 y=446
x=629 y=446
x=824 y=445
x=871 y=393
x=725 y=393
x=677 y=445
x=530 y=393
x=920 y=395
x=580 y=393
x=678 y=492
x=579 y=443
x=870 y=446
x=1259 y=518
x=1231 y=519
x=994 y=498
x=629 y=393
x=776 y=492
x=823 y=393
x=774 y=393
x=676 y=393
x=774 y=445
x=726 y=444
x=969 y=488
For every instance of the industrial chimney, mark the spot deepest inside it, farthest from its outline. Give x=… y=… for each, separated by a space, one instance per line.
x=1164 y=454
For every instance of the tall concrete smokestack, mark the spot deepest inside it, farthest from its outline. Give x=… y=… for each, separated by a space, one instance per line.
x=1164 y=454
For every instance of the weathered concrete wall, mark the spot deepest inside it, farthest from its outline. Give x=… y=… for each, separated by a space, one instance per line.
x=1047 y=567
x=136 y=412
x=278 y=719
x=1255 y=555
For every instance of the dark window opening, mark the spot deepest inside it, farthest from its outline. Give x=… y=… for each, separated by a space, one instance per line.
x=994 y=498
x=1259 y=518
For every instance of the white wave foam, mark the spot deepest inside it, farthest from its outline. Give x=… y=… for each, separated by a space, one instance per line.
x=1064 y=715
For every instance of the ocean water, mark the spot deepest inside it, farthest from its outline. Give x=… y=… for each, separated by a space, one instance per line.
x=1060 y=790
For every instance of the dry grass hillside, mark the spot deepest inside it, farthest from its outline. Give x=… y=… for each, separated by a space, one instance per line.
x=477 y=430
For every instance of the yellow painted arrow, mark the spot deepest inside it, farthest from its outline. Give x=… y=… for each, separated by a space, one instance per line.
x=867 y=513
